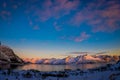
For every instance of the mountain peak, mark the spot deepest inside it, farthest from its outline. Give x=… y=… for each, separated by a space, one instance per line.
x=73 y=60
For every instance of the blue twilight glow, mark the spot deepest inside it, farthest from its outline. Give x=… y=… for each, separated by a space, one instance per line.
x=54 y=28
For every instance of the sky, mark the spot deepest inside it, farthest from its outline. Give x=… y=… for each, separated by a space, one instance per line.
x=58 y=28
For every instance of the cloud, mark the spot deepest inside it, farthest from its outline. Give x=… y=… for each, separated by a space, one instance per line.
x=101 y=16
x=83 y=36
x=102 y=52
x=52 y=9
x=6 y=9
x=79 y=52
x=109 y=19
x=5 y=15
x=4 y=4
x=57 y=27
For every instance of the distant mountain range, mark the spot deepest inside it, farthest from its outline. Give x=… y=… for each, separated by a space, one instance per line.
x=82 y=59
x=8 y=56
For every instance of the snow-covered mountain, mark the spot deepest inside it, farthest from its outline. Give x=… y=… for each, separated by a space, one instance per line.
x=69 y=60
x=88 y=59
x=74 y=60
x=7 y=55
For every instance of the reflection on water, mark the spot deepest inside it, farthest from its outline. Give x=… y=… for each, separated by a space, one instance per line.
x=42 y=67
x=8 y=66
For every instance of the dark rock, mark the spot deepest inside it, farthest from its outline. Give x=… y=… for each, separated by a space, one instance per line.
x=7 y=55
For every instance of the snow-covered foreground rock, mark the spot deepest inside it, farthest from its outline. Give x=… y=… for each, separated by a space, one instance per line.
x=109 y=72
x=68 y=75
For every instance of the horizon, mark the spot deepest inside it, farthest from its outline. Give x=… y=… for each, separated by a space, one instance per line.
x=70 y=54
x=59 y=28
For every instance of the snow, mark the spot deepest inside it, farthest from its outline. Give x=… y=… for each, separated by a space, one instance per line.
x=59 y=61
x=71 y=60
x=108 y=73
x=49 y=61
x=32 y=60
x=39 y=61
x=88 y=57
x=72 y=75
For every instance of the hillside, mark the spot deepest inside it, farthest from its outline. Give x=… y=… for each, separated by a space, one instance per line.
x=7 y=55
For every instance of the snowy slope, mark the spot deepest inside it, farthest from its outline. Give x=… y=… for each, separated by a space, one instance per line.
x=70 y=60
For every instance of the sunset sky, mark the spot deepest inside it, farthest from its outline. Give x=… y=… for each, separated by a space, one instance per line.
x=58 y=28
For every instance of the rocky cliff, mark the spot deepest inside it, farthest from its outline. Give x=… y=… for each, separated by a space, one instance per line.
x=7 y=55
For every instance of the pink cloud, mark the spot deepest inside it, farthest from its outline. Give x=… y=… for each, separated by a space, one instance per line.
x=66 y=4
x=83 y=36
x=47 y=3
x=53 y=9
x=64 y=7
x=78 y=19
x=111 y=19
x=105 y=20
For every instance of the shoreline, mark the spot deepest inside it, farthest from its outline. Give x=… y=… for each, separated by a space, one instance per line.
x=103 y=73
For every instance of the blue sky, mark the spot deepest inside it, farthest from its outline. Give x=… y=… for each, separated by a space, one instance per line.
x=54 y=28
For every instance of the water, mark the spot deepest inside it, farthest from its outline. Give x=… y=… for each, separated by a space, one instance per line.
x=43 y=67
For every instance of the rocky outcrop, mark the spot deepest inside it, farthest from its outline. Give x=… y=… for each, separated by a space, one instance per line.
x=7 y=55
